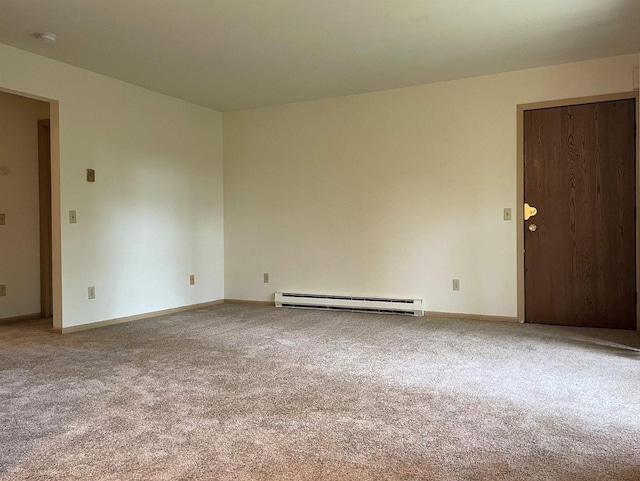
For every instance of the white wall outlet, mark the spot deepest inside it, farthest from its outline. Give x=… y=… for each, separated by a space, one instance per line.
x=507 y=213
x=72 y=217
x=192 y=280
x=3 y=290
x=456 y=284
x=3 y=219
x=265 y=278
x=92 y=292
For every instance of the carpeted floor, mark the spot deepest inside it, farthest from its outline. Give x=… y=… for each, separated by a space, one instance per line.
x=258 y=393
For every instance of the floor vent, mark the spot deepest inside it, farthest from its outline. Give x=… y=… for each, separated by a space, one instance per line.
x=381 y=305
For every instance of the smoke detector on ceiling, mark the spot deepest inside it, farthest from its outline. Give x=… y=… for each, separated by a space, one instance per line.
x=47 y=37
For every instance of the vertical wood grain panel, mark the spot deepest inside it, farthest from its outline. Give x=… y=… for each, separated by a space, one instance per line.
x=579 y=171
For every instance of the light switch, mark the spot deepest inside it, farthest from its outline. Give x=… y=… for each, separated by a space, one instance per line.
x=72 y=217
x=91 y=175
x=507 y=213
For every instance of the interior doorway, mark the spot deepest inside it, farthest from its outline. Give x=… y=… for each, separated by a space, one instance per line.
x=29 y=266
x=577 y=228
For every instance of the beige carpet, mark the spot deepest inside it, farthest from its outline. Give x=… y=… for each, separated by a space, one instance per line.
x=256 y=393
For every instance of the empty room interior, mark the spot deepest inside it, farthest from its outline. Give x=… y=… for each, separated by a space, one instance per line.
x=319 y=240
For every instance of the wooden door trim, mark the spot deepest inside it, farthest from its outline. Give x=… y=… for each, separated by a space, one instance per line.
x=521 y=108
x=44 y=186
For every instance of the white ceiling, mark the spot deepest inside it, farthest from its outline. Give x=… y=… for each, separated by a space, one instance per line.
x=236 y=54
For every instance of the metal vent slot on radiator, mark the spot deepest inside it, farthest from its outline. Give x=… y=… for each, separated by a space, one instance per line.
x=380 y=305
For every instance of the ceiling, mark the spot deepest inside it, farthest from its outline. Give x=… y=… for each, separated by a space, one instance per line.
x=237 y=54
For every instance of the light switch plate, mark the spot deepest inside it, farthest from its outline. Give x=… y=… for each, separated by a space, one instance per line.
x=265 y=278
x=456 y=284
x=73 y=219
x=507 y=213
x=192 y=280
x=91 y=175
x=91 y=292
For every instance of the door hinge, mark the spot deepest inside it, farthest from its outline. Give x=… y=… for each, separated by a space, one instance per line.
x=636 y=298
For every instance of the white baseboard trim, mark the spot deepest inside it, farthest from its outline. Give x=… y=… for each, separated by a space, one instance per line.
x=137 y=317
x=147 y=315
x=249 y=303
x=441 y=315
x=472 y=317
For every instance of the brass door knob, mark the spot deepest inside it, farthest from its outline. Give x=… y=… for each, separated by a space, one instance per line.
x=533 y=227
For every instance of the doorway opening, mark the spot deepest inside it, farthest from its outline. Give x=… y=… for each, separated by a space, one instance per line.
x=29 y=204
x=578 y=198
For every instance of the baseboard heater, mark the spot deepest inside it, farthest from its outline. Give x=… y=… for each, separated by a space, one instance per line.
x=381 y=305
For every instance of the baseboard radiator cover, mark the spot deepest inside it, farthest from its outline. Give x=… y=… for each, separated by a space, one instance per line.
x=380 y=305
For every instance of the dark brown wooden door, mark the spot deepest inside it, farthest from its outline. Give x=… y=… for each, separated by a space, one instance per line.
x=579 y=172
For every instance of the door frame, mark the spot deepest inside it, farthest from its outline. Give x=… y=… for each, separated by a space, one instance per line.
x=56 y=213
x=521 y=109
x=44 y=191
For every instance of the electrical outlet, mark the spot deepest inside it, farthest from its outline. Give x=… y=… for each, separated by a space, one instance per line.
x=192 y=280
x=456 y=284
x=265 y=278
x=3 y=219
x=3 y=290
x=72 y=217
x=91 y=175
x=92 y=292
x=507 y=213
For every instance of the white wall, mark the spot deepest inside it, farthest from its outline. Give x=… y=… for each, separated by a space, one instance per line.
x=154 y=215
x=390 y=193
x=19 y=201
